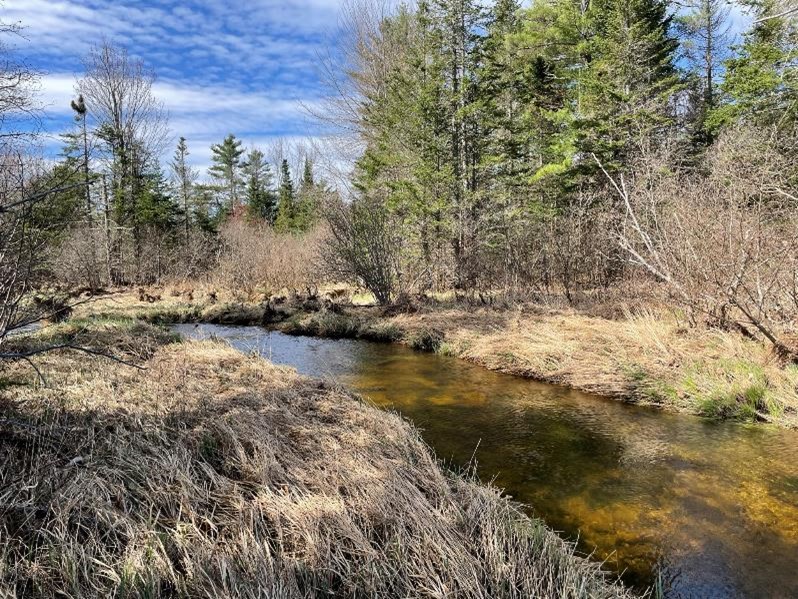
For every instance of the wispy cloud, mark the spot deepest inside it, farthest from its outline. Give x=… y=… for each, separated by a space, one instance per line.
x=246 y=68
x=204 y=114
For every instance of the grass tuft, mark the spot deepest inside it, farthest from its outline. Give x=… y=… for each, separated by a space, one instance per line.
x=217 y=474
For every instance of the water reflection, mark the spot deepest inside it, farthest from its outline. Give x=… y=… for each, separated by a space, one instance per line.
x=713 y=507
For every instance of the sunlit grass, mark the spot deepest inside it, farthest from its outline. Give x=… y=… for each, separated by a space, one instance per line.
x=213 y=473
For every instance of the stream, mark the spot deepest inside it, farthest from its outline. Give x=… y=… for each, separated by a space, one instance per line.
x=711 y=508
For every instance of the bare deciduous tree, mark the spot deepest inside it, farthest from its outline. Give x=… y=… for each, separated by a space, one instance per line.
x=724 y=242
x=364 y=248
x=20 y=245
x=132 y=125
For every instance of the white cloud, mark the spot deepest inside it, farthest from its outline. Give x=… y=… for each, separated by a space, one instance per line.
x=204 y=115
x=246 y=69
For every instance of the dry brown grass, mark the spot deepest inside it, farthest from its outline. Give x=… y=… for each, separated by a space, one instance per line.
x=221 y=475
x=649 y=357
x=646 y=358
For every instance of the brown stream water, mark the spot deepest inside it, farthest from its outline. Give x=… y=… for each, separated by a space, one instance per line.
x=709 y=508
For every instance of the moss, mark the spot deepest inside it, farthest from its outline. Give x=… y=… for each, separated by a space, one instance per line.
x=733 y=390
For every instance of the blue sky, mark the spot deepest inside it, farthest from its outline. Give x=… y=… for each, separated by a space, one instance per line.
x=243 y=67
x=249 y=67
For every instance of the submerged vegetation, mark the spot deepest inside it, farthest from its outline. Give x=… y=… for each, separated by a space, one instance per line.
x=209 y=473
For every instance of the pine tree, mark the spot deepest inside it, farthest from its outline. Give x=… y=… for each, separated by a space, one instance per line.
x=261 y=199
x=226 y=168
x=67 y=204
x=286 y=208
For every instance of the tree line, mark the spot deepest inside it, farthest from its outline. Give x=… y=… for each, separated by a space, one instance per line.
x=135 y=219
x=514 y=149
x=566 y=150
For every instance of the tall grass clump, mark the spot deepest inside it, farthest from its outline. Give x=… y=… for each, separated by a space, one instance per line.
x=216 y=474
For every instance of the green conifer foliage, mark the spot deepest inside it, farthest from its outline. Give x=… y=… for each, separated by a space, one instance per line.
x=226 y=168
x=761 y=82
x=260 y=196
x=287 y=206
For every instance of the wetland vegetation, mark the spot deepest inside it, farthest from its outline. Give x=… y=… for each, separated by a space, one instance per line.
x=519 y=320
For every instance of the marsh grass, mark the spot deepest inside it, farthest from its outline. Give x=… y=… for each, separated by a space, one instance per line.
x=342 y=326
x=647 y=357
x=217 y=474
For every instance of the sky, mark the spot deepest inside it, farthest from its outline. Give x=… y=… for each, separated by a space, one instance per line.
x=249 y=67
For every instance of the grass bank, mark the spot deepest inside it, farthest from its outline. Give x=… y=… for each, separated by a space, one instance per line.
x=216 y=474
x=649 y=359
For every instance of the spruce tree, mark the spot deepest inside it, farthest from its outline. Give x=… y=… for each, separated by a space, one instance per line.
x=630 y=81
x=308 y=198
x=261 y=199
x=286 y=208
x=704 y=31
x=761 y=82
x=156 y=207
x=184 y=177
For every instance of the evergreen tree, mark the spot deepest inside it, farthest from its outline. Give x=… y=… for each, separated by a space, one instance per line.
x=184 y=178
x=761 y=82
x=627 y=89
x=460 y=22
x=155 y=207
x=553 y=50
x=705 y=42
x=206 y=215
x=261 y=199
x=67 y=204
x=226 y=168
x=286 y=208
x=308 y=197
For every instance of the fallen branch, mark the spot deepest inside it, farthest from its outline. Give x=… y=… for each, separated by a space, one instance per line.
x=12 y=356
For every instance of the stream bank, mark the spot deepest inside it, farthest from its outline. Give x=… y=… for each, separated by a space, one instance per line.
x=704 y=508
x=647 y=359
x=206 y=472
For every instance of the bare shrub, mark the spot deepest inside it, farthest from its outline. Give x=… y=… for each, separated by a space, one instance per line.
x=725 y=240
x=77 y=260
x=553 y=254
x=253 y=255
x=194 y=257
x=364 y=247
